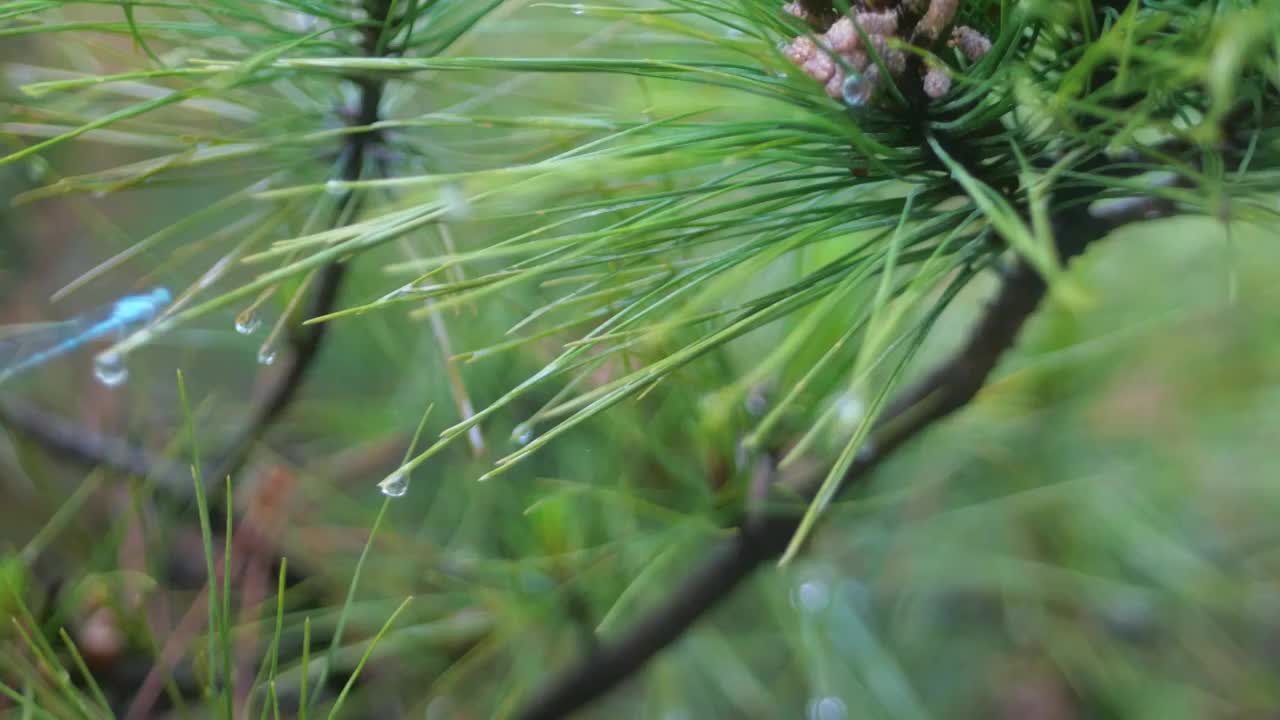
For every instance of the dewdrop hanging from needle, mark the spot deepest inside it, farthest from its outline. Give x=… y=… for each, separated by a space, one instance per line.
x=267 y=351
x=23 y=349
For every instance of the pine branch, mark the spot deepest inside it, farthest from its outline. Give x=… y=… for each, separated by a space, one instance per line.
x=765 y=533
x=304 y=348
x=305 y=340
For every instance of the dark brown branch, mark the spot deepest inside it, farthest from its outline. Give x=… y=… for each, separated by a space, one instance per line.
x=765 y=534
x=819 y=13
x=304 y=348
x=74 y=443
x=305 y=340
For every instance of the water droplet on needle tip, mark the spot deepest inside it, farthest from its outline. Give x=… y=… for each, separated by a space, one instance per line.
x=247 y=323
x=109 y=369
x=395 y=485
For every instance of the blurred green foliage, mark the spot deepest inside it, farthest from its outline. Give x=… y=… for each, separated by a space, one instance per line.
x=1091 y=538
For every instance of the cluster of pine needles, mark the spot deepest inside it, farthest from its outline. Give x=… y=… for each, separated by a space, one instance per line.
x=668 y=186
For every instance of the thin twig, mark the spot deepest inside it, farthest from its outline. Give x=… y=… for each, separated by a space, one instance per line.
x=72 y=442
x=765 y=533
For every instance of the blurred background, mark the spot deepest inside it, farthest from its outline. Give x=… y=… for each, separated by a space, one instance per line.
x=1095 y=536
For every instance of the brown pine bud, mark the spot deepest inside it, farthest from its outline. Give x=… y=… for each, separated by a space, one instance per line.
x=937 y=82
x=970 y=42
x=842 y=36
x=800 y=50
x=819 y=67
x=939 y=15
x=878 y=23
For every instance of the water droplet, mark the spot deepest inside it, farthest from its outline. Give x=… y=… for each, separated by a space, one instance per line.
x=850 y=410
x=395 y=485
x=334 y=187
x=1130 y=616
x=98 y=194
x=301 y=21
x=456 y=205
x=733 y=33
x=522 y=433
x=397 y=293
x=410 y=290
x=260 y=186
x=811 y=596
x=266 y=355
x=827 y=708
x=109 y=369
x=37 y=169
x=248 y=322
x=578 y=9
x=856 y=90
